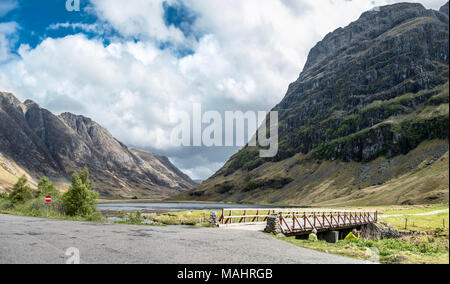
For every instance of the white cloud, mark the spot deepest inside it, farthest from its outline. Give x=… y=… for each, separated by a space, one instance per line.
x=89 y=28
x=141 y=19
x=247 y=55
x=7 y=39
x=6 y=6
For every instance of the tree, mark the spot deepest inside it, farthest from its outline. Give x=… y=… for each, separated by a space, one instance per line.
x=80 y=200
x=21 y=191
x=84 y=175
x=45 y=187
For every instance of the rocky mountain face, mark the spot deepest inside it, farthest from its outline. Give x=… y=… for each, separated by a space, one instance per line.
x=371 y=91
x=39 y=143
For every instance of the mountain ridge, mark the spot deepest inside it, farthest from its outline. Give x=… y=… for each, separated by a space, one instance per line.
x=373 y=92
x=43 y=144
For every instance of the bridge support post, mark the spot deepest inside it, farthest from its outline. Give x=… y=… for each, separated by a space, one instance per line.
x=332 y=237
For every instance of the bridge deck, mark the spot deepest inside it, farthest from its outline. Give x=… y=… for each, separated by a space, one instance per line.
x=299 y=221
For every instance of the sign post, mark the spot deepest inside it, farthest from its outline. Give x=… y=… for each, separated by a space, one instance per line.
x=48 y=199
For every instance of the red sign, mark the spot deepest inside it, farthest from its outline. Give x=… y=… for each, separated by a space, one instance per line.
x=48 y=199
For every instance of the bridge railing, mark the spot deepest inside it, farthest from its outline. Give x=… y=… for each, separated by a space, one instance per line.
x=297 y=222
x=249 y=216
x=294 y=219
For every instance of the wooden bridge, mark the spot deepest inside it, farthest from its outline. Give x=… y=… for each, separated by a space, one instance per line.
x=299 y=221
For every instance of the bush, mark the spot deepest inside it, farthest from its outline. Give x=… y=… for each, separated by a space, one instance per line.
x=3 y=195
x=79 y=200
x=275 y=183
x=21 y=191
x=224 y=187
x=37 y=208
x=45 y=187
x=5 y=204
x=136 y=218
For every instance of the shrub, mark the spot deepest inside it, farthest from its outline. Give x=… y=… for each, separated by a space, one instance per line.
x=224 y=187
x=45 y=187
x=136 y=218
x=79 y=200
x=3 y=195
x=37 y=208
x=5 y=204
x=275 y=183
x=21 y=191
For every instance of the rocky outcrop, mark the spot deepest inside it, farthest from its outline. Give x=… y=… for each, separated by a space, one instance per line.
x=379 y=231
x=56 y=146
x=444 y=9
x=162 y=165
x=388 y=52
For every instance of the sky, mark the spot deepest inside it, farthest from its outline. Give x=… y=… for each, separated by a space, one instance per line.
x=129 y=65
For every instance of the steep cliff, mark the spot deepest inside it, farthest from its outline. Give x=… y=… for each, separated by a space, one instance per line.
x=373 y=92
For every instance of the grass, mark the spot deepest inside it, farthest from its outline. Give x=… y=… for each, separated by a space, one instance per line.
x=425 y=223
x=397 y=209
x=37 y=208
x=408 y=250
x=135 y=218
x=198 y=218
x=411 y=209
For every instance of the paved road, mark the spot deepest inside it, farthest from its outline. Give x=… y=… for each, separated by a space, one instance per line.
x=34 y=240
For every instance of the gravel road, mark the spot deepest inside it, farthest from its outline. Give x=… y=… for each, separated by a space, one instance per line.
x=35 y=240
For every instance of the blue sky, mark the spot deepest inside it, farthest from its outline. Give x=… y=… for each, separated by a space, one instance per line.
x=36 y=18
x=130 y=65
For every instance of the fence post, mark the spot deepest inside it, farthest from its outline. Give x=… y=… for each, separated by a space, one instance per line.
x=304 y=220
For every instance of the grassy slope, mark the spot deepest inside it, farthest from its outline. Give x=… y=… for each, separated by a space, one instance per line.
x=419 y=177
x=405 y=179
x=10 y=172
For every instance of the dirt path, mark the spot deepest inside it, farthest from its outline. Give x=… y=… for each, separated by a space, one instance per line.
x=416 y=214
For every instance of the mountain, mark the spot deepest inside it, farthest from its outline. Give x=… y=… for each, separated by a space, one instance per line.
x=35 y=142
x=366 y=122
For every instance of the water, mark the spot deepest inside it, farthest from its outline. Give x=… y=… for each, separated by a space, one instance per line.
x=165 y=207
